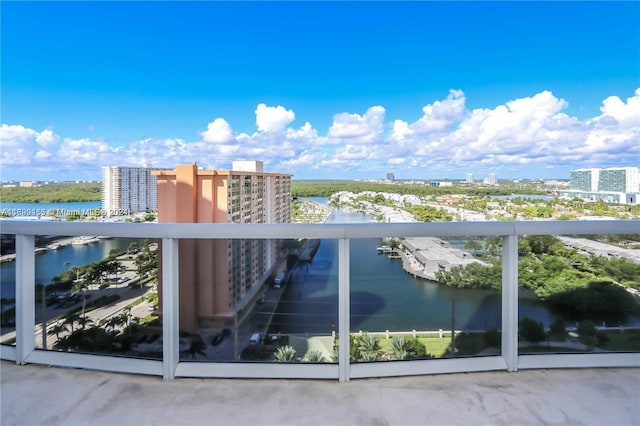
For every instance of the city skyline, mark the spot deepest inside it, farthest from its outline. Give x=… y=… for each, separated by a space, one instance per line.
x=320 y=90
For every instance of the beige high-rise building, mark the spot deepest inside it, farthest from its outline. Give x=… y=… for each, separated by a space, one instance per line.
x=216 y=275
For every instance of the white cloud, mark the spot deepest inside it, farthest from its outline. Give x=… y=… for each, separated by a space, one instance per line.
x=306 y=132
x=218 y=131
x=522 y=136
x=441 y=115
x=21 y=146
x=626 y=114
x=356 y=128
x=401 y=131
x=273 y=119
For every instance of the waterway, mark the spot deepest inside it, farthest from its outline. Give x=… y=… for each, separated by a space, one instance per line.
x=52 y=262
x=384 y=297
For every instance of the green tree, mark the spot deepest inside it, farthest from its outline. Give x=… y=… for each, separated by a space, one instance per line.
x=473 y=246
x=113 y=322
x=80 y=286
x=558 y=329
x=417 y=349
x=58 y=328
x=587 y=333
x=71 y=319
x=531 y=330
x=492 y=338
x=196 y=347
x=83 y=321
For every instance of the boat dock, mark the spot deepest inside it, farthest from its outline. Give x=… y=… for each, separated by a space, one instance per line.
x=39 y=250
x=424 y=256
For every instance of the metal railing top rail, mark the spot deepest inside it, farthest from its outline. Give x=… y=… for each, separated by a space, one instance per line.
x=326 y=230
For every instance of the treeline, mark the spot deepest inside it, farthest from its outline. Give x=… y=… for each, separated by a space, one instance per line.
x=583 y=286
x=53 y=193
x=325 y=188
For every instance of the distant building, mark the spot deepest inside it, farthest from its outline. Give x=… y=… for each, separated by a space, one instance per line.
x=28 y=184
x=128 y=190
x=584 y=179
x=469 y=178
x=216 y=277
x=622 y=179
x=440 y=184
x=614 y=185
x=390 y=177
x=490 y=180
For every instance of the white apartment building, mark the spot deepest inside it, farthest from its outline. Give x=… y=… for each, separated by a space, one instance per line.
x=615 y=184
x=128 y=190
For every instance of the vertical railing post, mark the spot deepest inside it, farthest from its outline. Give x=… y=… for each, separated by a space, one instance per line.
x=170 y=308
x=25 y=297
x=510 y=301
x=343 y=310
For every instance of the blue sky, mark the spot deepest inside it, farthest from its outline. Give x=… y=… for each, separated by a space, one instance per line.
x=321 y=90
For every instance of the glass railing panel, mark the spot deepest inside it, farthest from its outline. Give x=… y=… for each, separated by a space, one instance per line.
x=408 y=294
x=268 y=301
x=585 y=289
x=97 y=295
x=8 y=290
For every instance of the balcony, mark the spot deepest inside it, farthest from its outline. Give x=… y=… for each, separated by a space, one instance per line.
x=508 y=355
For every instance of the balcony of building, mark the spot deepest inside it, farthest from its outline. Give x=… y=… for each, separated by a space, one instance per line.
x=462 y=353
x=514 y=382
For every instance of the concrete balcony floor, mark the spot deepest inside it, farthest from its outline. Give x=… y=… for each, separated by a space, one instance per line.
x=41 y=395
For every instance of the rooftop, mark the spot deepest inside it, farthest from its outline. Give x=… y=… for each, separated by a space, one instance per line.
x=39 y=395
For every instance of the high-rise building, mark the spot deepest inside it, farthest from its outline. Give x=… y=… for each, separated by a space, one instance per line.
x=390 y=176
x=612 y=185
x=493 y=180
x=128 y=189
x=469 y=178
x=216 y=277
x=584 y=179
x=619 y=179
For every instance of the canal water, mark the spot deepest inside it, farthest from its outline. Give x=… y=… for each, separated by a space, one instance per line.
x=384 y=297
x=52 y=262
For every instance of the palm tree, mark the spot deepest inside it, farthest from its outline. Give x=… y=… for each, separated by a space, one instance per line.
x=393 y=243
x=114 y=252
x=114 y=322
x=314 y=356
x=286 y=354
x=71 y=319
x=133 y=247
x=196 y=347
x=80 y=286
x=125 y=316
x=84 y=321
x=58 y=328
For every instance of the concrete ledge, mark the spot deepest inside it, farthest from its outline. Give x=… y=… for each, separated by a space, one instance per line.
x=39 y=395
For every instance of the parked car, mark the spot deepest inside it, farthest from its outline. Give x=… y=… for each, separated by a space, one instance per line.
x=255 y=339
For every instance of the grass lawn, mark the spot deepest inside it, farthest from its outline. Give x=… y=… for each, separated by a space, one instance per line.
x=466 y=344
x=623 y=342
